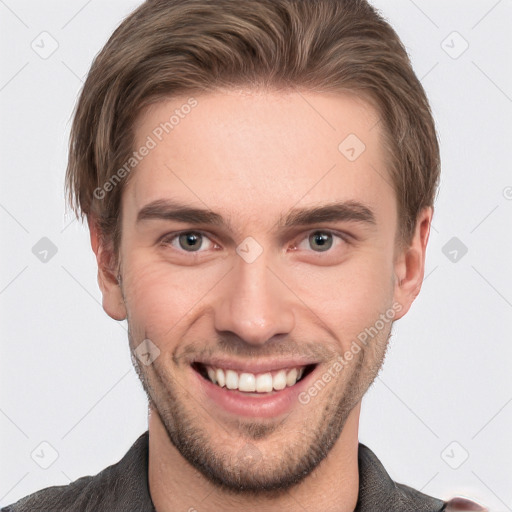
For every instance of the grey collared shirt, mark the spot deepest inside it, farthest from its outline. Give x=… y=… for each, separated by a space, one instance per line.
x=123 y=487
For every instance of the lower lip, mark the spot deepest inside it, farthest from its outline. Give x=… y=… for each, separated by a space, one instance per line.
x=266 y=405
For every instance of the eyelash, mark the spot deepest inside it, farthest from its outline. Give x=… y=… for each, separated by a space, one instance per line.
x=167 y=240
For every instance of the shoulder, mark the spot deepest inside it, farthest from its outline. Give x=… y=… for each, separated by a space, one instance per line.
x=456 y=504
x=121 y=486
x=378 y=491
x=73 y=496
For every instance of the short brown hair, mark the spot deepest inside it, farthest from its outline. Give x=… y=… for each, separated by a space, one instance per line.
x=171 y=47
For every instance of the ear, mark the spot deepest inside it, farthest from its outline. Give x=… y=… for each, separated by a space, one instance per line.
x=113 y=302
x=410 y=263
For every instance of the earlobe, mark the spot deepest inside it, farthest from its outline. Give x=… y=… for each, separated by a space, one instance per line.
x=410 y=263
x=108 y=275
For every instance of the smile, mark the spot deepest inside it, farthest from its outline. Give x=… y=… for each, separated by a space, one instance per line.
x=262 y=382
x=252 y=387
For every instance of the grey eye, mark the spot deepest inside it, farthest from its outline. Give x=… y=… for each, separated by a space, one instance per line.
x=190 y=240
x=321 y=239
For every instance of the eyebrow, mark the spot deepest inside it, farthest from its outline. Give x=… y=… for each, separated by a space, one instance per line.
x=171 y=210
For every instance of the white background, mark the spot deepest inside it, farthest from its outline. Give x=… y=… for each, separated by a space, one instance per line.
x=66 y=374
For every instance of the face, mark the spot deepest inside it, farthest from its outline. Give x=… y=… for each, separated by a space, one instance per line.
x=261 y=276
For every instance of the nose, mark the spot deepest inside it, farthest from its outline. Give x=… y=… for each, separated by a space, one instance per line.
x=254 y=303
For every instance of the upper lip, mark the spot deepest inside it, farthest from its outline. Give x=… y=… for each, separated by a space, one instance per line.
x=255 y=366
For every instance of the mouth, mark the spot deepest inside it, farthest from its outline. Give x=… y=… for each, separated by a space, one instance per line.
x=258 y=383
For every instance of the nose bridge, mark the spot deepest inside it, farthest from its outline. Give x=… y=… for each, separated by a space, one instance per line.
x=255 y=304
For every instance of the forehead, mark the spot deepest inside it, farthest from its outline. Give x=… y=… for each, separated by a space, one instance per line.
x=258 y=151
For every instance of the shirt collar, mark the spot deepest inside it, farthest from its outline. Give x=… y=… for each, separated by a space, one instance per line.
x=377 y=491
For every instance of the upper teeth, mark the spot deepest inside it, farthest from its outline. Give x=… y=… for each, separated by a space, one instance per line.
x=261 y=383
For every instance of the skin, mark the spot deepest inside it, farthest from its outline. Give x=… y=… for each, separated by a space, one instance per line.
x=252 y=156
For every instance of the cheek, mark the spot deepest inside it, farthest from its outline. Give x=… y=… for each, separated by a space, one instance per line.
x=160 y=295
x=351 y=297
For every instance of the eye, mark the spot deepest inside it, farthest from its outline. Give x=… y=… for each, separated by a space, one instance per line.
x=323 y=240
x=187 y=241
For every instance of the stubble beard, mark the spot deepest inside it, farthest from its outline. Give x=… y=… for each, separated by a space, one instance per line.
x=248 y=471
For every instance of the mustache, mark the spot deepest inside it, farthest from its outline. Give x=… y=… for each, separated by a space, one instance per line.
x=233 y=345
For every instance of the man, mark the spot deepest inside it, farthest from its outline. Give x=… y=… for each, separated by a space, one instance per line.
x=258 y=179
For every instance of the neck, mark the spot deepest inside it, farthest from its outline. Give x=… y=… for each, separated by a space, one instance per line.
x=175 y=485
